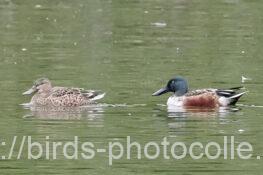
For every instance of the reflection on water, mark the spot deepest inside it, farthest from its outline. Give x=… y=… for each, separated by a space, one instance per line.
x=91 y=112
x=177 y=111
x=179 y=117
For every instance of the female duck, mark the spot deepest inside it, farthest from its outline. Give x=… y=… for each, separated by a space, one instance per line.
x=46 y=95
x=201 y=97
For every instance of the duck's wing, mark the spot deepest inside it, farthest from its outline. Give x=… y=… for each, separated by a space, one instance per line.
x=86 y=94
x=199 y=92
x=220 y=92
x=228 y=92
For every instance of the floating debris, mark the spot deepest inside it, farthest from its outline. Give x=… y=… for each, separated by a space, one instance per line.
x=24 y=49
x=243 y=51
x=241 y=130
x=159 y=24
x=137 y=41
x=146 y=12
x=38 y=6
x=8 y=26
x=108 y=33
x=244 y=79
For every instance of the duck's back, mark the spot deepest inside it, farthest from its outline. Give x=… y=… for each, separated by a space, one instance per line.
x=63 y=96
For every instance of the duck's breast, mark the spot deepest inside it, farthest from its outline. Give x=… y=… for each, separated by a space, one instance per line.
x=175 y=101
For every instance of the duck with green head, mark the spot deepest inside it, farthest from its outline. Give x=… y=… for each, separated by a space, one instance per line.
x=209 y=97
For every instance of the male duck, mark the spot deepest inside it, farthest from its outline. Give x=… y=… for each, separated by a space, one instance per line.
x=46 y=95
x=201 y=97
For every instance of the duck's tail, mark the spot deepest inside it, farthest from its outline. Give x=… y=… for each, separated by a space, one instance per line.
x=97 y=96
x=233 y=99
x=229 y=96
x=93 y=95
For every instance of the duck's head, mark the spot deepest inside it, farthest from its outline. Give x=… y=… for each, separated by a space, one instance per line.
x=177 y=85
x=40 y=85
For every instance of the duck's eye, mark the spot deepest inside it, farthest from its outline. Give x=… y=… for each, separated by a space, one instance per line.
x=38 y=84
x=172 y=83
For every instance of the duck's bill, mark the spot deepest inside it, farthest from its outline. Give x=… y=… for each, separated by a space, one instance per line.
x=29 y=91
x=160 y=92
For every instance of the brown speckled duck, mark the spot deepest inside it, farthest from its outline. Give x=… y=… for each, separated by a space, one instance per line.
x=46 y=95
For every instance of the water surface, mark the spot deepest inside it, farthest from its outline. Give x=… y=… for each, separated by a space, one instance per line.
x=129 y=49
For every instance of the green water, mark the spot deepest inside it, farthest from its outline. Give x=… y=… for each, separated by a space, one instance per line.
x=129 y=49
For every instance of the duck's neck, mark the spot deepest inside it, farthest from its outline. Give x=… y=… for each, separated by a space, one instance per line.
x=181 y=92
x=44 y=92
